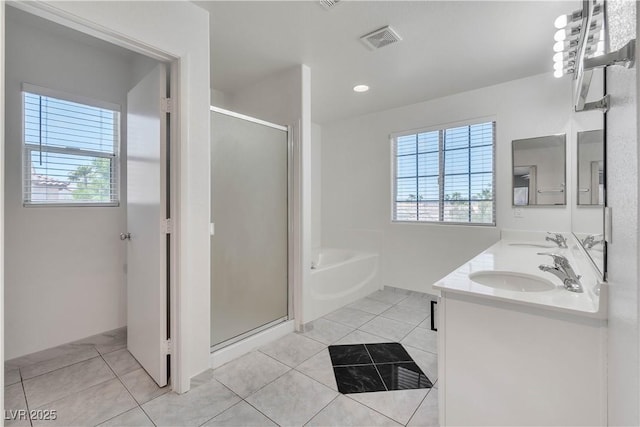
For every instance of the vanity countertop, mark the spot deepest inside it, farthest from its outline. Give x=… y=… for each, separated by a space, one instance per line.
x=518 y=252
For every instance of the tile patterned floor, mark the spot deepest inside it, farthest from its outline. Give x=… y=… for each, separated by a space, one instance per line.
x=361 y=368
x=289 y=382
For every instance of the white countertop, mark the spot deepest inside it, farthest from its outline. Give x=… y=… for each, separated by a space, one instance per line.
x=504 y=256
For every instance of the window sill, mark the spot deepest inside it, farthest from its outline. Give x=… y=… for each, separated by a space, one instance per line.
x=466 y=224
x=71 y=205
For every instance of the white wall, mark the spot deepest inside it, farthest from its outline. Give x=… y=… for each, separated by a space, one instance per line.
x=65 y=266
x=356 y=178
x=276 y=98
x=218 y=98
x=316 y=186
x=622 y=252
x=143 y=27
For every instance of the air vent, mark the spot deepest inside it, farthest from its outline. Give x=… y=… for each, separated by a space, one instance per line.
x=380 y=38
x=328 y=4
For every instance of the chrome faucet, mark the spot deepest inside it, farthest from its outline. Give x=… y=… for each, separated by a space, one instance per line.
x=563 y=270
x=557 y=238
x=590 y=241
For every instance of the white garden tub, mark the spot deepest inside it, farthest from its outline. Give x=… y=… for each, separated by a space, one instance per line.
x=339 y=277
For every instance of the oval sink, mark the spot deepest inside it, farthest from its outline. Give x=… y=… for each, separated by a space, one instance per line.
x=533 y=245
x=512 y=281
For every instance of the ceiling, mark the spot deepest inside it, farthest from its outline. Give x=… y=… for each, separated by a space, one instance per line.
x=448 y=47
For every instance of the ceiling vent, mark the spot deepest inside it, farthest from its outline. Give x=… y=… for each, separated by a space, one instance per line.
x=380 y=38
x=328 y=4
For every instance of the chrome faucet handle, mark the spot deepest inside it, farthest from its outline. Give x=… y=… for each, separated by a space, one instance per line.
x=563 y=263
x=562 y=269
x=590 y=241
x=557 y=259
x=557 y=238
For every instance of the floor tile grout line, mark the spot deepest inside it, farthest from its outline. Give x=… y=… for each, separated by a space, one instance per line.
x=229 y=408
x=66 y=396
x=374 y=409
x=78 y=343
x=226 y=409
x=26 y=402
x=348 y=308
x=293 y=367
x=374 y=363
x=310 y=377
x=268 y=417
x=57 y=369
x=321 y=409
x=360 y=330
x=75 y=392
x=325 y=344
x=345 y=324
x=408 y=333
x=302 y=334
x=416 y=348
x=257 y=390
x=66 y=366
x=379 y=375
x=128 y=391
x=111 y=351
x=418 y=407
x=406 y=308
x=147 y=414
x=139 y=405
x=393 y=340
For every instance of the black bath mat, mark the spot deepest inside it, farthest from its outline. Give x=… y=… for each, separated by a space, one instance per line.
x=361 y=368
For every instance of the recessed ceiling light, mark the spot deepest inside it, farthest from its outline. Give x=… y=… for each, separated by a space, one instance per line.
x=360 y=88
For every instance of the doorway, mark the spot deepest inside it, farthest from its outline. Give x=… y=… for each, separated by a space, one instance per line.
x=66 y=267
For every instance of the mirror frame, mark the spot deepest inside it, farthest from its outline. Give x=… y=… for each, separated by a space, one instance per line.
x=564 y=176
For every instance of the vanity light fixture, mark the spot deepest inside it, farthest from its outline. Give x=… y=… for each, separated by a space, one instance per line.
x=572 y=36
x=360 y=88
x=580 y=47
x=575 y=17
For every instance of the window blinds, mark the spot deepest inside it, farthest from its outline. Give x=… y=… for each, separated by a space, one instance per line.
x=70 y=152
x=446 y=175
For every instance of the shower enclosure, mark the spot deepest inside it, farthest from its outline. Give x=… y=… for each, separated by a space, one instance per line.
x=250 y=211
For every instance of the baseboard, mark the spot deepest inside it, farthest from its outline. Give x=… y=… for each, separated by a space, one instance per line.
x=235 y=350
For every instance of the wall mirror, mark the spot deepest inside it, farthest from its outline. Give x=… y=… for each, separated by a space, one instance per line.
x=590 y=168
x=539 y=171
x=587 y=212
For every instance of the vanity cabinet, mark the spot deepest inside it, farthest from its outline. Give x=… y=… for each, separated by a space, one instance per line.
x=503 y=363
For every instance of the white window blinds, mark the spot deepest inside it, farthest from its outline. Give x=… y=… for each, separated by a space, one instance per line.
x=70 y=152
x=445 y=175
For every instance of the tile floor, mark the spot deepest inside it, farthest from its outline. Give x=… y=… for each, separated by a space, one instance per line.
x=361 y=368
x=289 y=382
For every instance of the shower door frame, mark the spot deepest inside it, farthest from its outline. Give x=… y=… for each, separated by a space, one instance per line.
x=290 y=227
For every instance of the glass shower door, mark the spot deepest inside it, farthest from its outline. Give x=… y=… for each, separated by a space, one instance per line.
x=249 y=205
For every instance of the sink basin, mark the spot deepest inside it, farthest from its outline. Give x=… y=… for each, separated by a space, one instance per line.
x=534 y=245
x=512 y=281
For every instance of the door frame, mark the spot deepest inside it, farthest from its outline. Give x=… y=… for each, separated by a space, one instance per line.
x=180 y=378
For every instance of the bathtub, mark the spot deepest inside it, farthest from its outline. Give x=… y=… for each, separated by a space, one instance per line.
x=339 y=277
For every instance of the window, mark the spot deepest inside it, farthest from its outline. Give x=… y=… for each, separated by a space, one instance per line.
x=70 y=151
x=445 y=175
